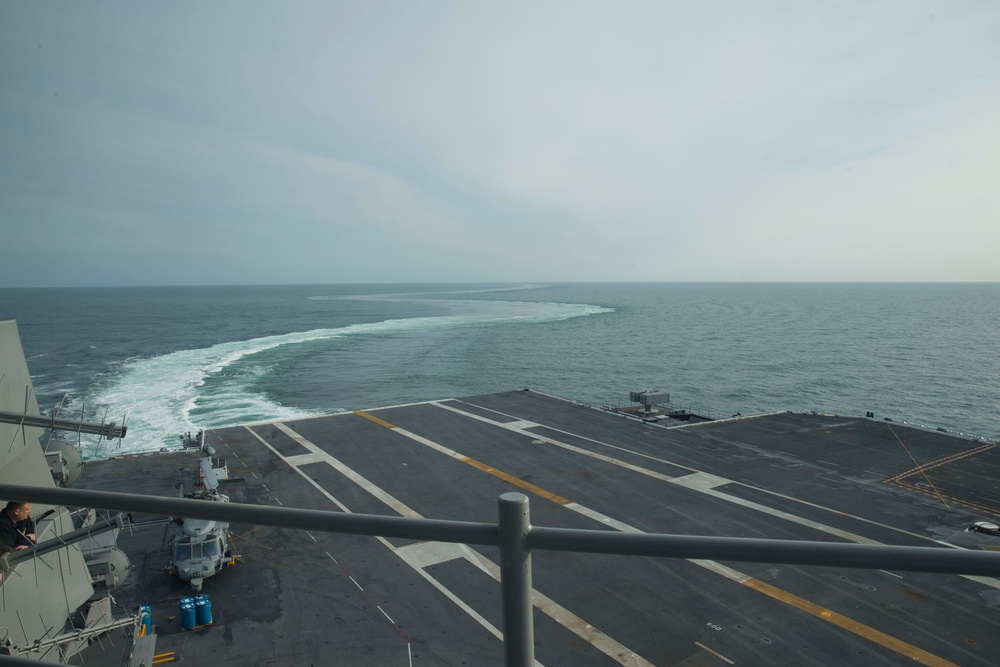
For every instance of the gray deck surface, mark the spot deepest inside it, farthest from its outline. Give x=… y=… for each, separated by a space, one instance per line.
x=323 y=599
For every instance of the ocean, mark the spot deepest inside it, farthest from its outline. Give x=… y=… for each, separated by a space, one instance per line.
x=172 y=360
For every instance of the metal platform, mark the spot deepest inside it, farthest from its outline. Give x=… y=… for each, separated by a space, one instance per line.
x=299 y=598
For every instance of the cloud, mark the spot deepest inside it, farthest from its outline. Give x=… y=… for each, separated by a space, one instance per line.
x=551 y=141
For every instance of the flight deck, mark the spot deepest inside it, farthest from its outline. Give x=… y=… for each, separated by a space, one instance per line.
x=304 y=598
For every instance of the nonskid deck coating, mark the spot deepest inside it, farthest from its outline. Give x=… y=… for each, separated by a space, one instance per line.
x=331 y=599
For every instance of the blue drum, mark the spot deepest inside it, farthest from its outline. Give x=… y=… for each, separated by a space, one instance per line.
x=203 y=610
x=187 y=616
x=146 y=618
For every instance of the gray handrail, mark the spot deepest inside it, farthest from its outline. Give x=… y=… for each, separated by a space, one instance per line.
x=516 y=538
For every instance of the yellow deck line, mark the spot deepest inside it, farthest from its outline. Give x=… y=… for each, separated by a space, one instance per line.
x=380 y=422
x=979 y=507
x=849 y=624
x=951 y=458
x=922 y=470
x=527 y=486
x=844 y=622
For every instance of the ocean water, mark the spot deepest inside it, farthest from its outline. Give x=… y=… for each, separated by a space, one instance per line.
x=177 y=359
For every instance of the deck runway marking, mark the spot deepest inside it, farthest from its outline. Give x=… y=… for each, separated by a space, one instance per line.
x=876 y=636
x=699 y=481
x=920 y=468
x=570 y=621
x=527 y=486
x=304 y=459
x=794 y=518
x=851 y=537
x=345 y=509
x=979 y=507
x=373 y=418
x=350 y=473
x=720 y=569
x=715 y=653
x=942 y=461
x=428 y=554
x=457 y=601
x=507 y=426
x=611 y=648
x=602 y=518
x=910 y=486
x=516 y=481
x=849 y=624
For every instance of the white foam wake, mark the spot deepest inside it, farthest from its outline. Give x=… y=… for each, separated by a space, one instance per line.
x=166 y=395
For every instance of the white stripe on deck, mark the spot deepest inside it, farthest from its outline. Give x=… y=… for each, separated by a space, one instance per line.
x=322 y=456
x=424 y=554
x=305 y=459
x=706 y=483
x=597 y=516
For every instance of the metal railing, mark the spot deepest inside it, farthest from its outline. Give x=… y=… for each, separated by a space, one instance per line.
x=109 y=431
x=517 y=538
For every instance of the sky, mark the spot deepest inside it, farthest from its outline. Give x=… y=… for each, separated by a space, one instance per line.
x=204 y=143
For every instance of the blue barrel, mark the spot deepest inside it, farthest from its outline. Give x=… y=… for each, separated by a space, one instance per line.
x=203 y=610
x=187 y=616
x=146 y=618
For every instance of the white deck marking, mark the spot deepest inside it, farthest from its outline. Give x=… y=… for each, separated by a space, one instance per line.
x=698 y=480
x=715 y=653
x=305 y=459
x=426 y=554
x=350 y=474
x=724 y=570
x=590 y=513
x=701 y=481
x=464 y=607
x=851 y=625
x=787 y=516
x=517 y=428
x=601 y=518
x=423 y=554
x=705 y=482
x=621 y=654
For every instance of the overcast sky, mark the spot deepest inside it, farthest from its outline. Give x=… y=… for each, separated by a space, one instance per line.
x=330 y=142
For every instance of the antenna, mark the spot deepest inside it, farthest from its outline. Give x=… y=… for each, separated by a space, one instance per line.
x=55 y=415
x=121 y=434
x=27 y=400
x=58 y=408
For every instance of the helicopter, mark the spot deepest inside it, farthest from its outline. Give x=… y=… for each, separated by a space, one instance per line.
x=203 y=547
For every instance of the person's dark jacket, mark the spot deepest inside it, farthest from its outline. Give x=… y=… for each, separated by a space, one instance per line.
x=14 y=533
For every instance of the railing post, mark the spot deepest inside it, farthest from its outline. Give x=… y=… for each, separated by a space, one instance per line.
x=515 y=581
